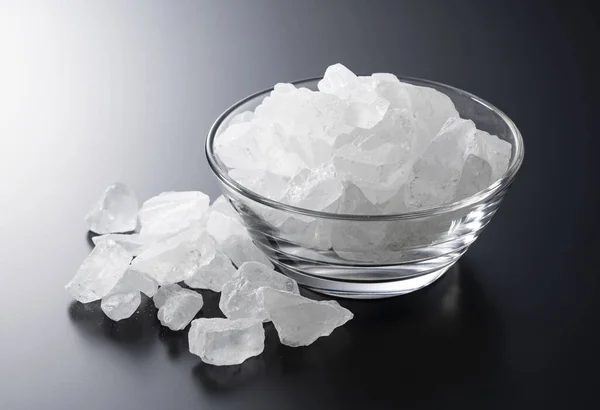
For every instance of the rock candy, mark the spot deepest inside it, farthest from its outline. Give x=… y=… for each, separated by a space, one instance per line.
x=116 y=211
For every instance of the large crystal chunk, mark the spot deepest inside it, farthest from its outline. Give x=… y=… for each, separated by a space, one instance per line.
x=435 y=175
x=314 y=189
x=131 y=242
x=115 y=211
x=300 y=321
x=494 y=151
x=240 y=249
x=262 y=182
x=238 y=297
x=177 y=306
x=170 y=212
x=374 y=159
x=133 y=280
x=223 y=342
x=430 y=107
x=253 y=145
x=476 y=175
x=356 y=240
x=365 y=107
x=100 y=272
x=174 y=259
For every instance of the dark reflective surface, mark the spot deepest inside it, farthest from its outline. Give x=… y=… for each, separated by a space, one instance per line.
x=92 y=92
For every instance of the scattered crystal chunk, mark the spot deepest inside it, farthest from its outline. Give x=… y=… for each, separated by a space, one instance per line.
x=177 y=306
x=120 y=306
x=115 y=211
x=238 y=297
x=240 y=249
x=174 y=259
x=214 y=270
x=223 y=342
x=170 y=212
x=139 y=281
x=165 y=292
x=131 y=242
x=100 y=272
x=300 y=321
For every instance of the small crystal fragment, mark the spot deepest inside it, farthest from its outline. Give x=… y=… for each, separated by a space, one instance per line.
x=100 y=272
x=171 y=212
x=238 y=297
x=116 y=211
x=177 y=306
x=131 y=242
x=120 y=306
x=300 y=321
x=223 y=342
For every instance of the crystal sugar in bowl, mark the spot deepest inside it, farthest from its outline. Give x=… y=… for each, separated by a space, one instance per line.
x=369 y=256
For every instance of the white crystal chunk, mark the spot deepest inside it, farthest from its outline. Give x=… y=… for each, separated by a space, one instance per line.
x=435 y=175
x=214 y=270
x=262 y=182
x=177 y=306
x=495 y=152
x=131 y=242
x=138 y=281
x=170 y=212
x=120 y=306
x=300 y=321
x=238 y=297
x=174 y=259
x=314 y=189
x=240 y=249
x=115 y=211
x=476 y=175
x=223 y=342
x=100 y=272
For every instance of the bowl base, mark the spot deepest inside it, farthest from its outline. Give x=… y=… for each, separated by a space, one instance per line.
x=363 y=290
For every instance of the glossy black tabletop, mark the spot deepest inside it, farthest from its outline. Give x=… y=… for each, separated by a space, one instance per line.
x=97 y=92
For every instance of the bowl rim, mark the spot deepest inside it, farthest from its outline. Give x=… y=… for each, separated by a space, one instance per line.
x=500 y=184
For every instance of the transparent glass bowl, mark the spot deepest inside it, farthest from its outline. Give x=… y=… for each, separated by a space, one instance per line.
x=367 y=257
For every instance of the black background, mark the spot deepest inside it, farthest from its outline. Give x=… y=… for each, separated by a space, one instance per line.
x=94 y=92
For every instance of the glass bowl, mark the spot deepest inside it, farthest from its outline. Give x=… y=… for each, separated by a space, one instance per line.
x=362 y=256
